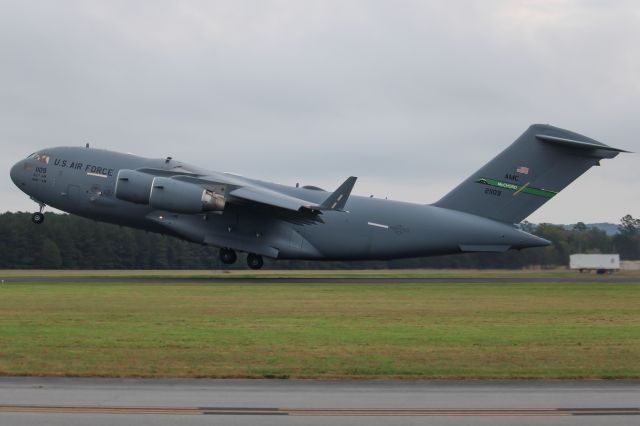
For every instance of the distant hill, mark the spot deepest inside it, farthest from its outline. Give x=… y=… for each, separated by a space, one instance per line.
x=609 y=228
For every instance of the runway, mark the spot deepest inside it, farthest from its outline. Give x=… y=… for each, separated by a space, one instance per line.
x=76 y=401
x=319 y=280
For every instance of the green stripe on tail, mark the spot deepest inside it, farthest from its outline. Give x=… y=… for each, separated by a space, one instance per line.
x=516 y=188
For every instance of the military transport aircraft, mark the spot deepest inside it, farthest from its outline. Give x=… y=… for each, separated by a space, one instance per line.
x=236 y=213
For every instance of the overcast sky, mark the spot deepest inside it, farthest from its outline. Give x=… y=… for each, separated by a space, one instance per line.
x=410 y=96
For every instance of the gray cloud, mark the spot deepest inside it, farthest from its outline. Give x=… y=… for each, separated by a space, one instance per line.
x=411 y=96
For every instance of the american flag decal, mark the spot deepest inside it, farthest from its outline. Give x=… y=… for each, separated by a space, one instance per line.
x=523 y=170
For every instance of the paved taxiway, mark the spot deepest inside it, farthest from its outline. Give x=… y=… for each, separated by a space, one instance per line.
x=314 y=280
x=79 y=401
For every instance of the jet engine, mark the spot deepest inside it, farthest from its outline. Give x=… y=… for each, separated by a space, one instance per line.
x=133 y=186
x=183 y=197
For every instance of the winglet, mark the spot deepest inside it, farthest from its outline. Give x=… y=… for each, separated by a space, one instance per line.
x=338 y=199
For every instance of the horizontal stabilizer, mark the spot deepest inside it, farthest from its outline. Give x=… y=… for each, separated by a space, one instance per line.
x=571 y=143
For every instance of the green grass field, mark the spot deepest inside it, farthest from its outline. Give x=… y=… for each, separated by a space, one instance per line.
x=435 y=330
x=366 y=273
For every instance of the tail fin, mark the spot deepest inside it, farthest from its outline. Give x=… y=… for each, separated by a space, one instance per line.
x=533 y=169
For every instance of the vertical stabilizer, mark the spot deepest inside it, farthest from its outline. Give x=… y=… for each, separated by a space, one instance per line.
x=531 y=171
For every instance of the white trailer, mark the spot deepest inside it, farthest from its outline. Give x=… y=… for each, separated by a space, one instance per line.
x=601 y=263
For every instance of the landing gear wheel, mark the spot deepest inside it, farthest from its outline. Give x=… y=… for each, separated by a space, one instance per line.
x=37 y=218
x=228 y=256
x=254 y=261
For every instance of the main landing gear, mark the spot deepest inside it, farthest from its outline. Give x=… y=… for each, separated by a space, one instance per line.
x=38 y=217
x=228 y=256
x=254 y=261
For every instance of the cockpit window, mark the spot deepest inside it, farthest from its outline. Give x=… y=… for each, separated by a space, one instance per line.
x=43 y=158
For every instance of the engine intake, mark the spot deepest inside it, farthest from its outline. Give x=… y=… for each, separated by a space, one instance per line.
x=133 y=186
x=183 y=197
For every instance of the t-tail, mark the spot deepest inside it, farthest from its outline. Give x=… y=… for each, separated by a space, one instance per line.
x=531 y=171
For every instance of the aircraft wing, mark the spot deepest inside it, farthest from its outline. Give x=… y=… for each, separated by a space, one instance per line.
x=272 y=198
x=244 y=190
x=334 y=201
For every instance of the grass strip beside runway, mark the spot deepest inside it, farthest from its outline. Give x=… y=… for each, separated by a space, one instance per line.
x=329 y=274
x=493 y=330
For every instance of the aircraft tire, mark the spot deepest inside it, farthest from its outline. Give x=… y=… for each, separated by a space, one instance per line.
x=228 y=256
x=254 y=261
x=37 y=218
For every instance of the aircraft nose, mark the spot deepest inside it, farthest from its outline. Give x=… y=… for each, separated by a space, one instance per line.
x=15 y=173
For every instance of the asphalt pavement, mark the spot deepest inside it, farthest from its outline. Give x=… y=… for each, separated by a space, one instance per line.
x=99 y=401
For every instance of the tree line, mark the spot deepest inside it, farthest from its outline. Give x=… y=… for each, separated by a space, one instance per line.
x=71 y=242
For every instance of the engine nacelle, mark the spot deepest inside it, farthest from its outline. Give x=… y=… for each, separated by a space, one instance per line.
x=133 y=186
x=183 y=197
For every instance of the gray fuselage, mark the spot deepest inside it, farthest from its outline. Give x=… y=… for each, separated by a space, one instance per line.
x=82 y=181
